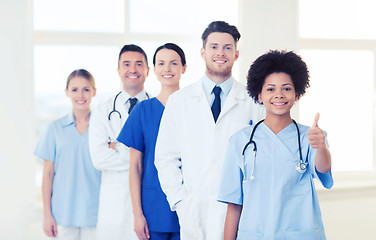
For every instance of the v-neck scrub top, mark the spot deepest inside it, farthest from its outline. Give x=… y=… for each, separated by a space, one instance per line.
x=75 y=189
x=279 y=203
x=140 y=132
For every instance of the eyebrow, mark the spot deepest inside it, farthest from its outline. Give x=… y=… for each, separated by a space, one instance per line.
x=128 y=61
x=285 y=84
x=174 y=60
x=226 y=44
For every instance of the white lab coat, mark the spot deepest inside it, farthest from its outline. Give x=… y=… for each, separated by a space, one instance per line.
x=190 y=151
x=115 y=218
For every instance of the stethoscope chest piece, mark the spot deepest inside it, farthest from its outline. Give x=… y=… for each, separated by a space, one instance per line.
x=301 y=167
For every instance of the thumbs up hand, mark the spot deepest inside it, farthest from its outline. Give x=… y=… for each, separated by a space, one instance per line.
x=316 y=136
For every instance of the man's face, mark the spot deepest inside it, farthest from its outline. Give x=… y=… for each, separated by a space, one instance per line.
x=219 y=54
x=133 y=71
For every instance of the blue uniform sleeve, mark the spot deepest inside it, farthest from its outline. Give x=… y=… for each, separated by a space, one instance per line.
x=326 y=179
x=131 y=134
x=46 y=146
x=231 y=186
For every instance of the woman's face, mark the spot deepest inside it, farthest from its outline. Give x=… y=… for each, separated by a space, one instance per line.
x=80 y=91
x=278 y=94
x=168 y=67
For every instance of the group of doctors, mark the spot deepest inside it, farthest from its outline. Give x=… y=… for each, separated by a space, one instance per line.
x=179 y=130
x=190 y=147
x=156 y=161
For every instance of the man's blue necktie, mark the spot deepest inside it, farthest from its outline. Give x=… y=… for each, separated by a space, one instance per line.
x=216 y=107
x=132 y=102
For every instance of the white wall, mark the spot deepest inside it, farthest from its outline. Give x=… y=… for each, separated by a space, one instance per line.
x=349 y=213
x=17 y=126
x=266 y=25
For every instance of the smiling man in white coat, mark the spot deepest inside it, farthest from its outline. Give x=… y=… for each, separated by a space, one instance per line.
x=115 y=218
x=195 y=128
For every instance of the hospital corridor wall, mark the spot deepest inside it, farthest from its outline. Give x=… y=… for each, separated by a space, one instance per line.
x=348 y=210
x=17 y=187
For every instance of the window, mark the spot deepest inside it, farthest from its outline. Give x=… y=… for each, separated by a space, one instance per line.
x=79 y=16
x=53 y=64
x=144 y=18
x=337 y=19
x=342 y=89
x=340 y=54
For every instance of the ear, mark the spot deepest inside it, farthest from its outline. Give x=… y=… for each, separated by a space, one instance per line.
x=147 y=73
x=236 y=55
x=184 y=68
x=66 y=92
x=94 y=92
x=118 y=70
x=202 y=52
x=260 y=98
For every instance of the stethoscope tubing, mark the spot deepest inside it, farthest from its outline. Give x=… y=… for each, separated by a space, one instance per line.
x=301 y=166
x=114 y=106
x=251 y=139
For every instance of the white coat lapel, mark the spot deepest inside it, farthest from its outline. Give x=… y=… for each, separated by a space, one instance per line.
x=200 y=101
x=236 y=95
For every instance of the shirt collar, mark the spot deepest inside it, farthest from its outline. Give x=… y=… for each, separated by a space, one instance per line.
x=225 y=86
x=140 y=96
x=69 y=120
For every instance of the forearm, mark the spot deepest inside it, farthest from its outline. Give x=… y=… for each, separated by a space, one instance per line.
x=47 y=182
x=171 y=179
x=106 y=158
x=232 y=221
x=103 y=156
x=168 y=156
x=323 y=160
x=135 y=174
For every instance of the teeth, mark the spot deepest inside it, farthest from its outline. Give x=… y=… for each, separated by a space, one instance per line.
x=220 y=61
x=279 y=104
x=132 y=77
x=167 y=76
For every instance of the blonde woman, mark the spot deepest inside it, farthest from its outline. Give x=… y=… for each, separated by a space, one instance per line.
x=70 y=185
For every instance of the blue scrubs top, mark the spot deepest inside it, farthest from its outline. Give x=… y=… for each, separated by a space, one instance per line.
x=140 y=132
x=279 y=203
x=75 y=188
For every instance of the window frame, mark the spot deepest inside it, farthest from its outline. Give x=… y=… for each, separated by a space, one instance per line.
x=348 y=183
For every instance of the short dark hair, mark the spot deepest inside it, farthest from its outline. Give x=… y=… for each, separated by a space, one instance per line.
x=220 y=26
x=276 y=61
x=174 y=47
x=133 y=48
x=81 y=73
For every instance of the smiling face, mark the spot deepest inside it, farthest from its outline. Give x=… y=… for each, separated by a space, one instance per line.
x=278 y=95
x=133 y=71
x=80 y=91
x=168 y=67
x=219 y=54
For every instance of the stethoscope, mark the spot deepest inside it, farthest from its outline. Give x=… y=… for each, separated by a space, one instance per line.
x=114 y=107
x=301 y=167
